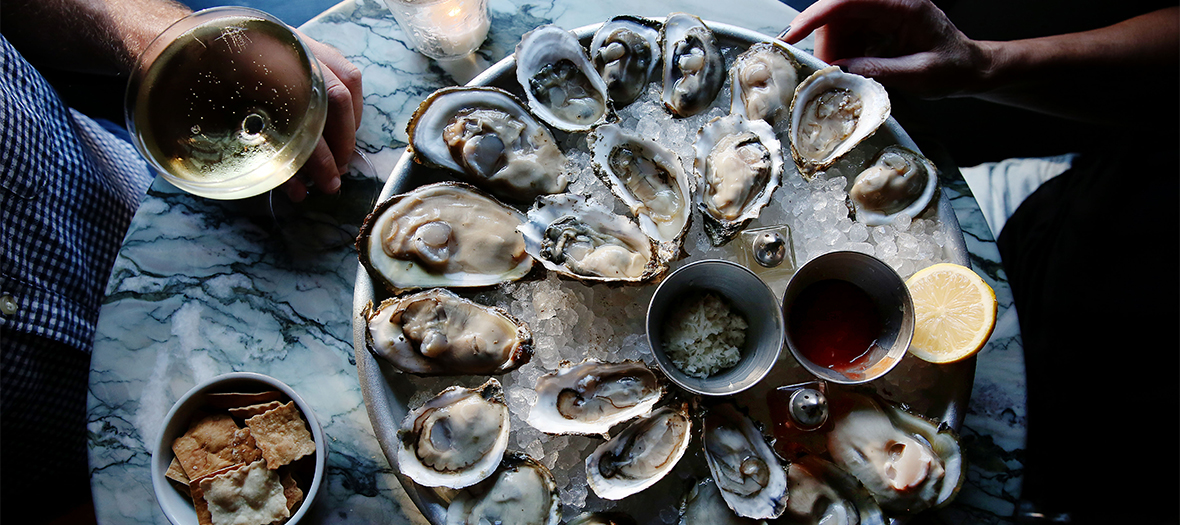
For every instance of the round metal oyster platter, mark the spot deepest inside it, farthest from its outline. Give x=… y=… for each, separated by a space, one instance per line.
x=938 y=392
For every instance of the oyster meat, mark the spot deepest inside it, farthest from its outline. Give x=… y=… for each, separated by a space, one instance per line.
x=436 y=332
x=831 y=113
x=694 y=69
x=740 y=165
x=520 y=492
x=823 y=494
x=641 y=454
x=752 y=480
x=626 y=52
x=763 y=80
x=704 y=504
x=591 y=397
x=562 y=86
x=906 y=462
x=456 y=439
x=576 y=238
x=486 y=134
x=444 y=234
x=649 y=179
x=899 y=181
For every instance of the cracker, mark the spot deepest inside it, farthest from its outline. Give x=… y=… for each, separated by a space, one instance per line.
x=199 y=503
x=254 y=410
x=213 y=443
x=251 y=494
x=291 y=490
x=225 y=400
x=176 y=473
x=282 y=435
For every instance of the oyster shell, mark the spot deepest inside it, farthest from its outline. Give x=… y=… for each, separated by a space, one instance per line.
x=752 y=480
x=649 y=179
x=740 y=165
x=641 y=454
x=601 y=518
x=763 y=80
x=562 y=86
x=694 y=69
x=592 y=396
x=626 y=53
x=906 y=462
x=444 y=234
x=703 y=504
x=521 y=492
x=576 y=238
x=436 y=332
x=899 y=181
x=456 y=439
x=831 y=113
x=822 y=493
x=485 y=134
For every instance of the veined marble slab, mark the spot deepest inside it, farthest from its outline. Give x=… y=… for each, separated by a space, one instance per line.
x=205 y=287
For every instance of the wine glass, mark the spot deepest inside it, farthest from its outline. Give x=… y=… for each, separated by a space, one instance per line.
x=226 y=103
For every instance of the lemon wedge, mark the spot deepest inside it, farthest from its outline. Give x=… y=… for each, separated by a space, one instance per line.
x=954 y=313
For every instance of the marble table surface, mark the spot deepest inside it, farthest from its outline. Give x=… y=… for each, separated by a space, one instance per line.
x=204 y=287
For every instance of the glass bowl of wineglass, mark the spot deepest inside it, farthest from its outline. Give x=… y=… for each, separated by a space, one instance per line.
x=226 y=103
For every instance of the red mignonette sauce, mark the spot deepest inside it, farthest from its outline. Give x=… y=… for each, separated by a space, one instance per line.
x=834 y=324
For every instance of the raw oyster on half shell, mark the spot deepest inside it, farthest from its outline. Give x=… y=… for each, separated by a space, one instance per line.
x=694 y=70
x=602 y=518
x=562 y=86
x=485 y=134
x=907 y=463
x=577 y=238
x=752 y=480
x=456 y=439
x=641 y=454
x=626 y=52
x=899 y=181
x=520 y=492
x=649 y=179
x=823 y=494
x=740 y=165
x=446 y=234
x=763 y=80
x=831 y=113
x=703 y=503
x=436 y=332
x=593 y=396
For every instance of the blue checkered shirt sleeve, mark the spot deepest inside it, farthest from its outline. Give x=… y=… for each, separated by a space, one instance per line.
x=68 y=190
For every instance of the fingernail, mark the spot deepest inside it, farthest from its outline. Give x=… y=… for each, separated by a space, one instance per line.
x=342 y=169
x=333 y=185
x=784 y=32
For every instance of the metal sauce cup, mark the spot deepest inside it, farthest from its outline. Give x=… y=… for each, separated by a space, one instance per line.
x=747 y=294
x=887 y=291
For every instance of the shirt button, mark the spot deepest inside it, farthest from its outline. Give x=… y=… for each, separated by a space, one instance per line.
x=7 y=304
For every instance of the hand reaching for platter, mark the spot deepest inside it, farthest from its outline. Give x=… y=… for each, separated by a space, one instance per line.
x=910 y=44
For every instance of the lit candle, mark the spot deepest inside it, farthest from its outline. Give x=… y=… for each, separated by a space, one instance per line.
x=442 y=29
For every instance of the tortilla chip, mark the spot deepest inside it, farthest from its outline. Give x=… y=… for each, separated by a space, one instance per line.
x=291 y=490
x=227 y=400
x=254 y=410
x=252 y=494
x=213 y=443
x=282 y=435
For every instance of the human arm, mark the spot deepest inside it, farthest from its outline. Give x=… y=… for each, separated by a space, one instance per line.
x=107 y=36
x=912 y=45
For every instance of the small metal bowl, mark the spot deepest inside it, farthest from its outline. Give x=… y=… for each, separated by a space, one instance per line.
x=746 y=293
x=178 y=507
x=888 y=293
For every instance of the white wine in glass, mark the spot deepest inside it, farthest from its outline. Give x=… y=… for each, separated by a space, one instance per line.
x=226 y=103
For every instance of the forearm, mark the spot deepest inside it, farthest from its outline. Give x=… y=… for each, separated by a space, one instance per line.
x=1088 y=75
x=87 y=35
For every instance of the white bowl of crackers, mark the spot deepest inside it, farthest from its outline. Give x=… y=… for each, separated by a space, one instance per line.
x=240 y=448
